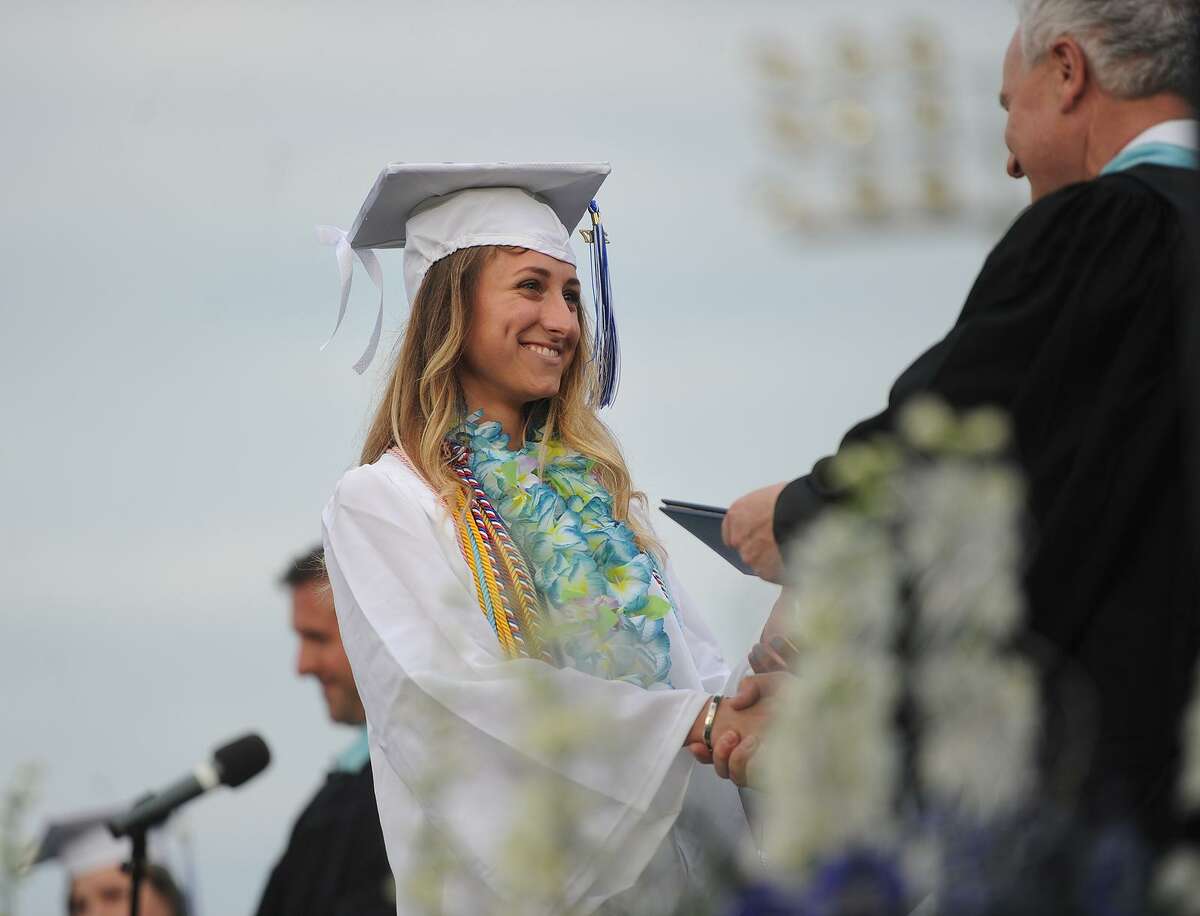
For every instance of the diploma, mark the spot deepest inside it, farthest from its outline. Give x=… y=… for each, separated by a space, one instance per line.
x=704 y=522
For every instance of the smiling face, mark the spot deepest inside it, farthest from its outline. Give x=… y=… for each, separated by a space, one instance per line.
x=1044 y=138
x=320 y=654
x=524 y=330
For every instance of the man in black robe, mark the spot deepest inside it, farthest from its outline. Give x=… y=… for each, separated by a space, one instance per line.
x=335 y=863
x=1076 y=328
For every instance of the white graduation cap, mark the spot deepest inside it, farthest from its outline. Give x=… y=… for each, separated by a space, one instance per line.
x=82 y=843
x=434 y=209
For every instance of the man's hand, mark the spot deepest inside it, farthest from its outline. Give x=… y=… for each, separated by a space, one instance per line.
x=749 y=529
x=732 y=759
x=775 y=654
x=774 y=650
x=757 y=687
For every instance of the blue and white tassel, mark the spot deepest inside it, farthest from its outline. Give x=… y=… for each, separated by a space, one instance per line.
x=606 y=355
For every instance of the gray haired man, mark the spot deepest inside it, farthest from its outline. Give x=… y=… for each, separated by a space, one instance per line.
x=1073 y=328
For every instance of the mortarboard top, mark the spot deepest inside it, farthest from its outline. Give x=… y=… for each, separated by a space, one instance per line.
x=82 y=843
x=434 y=209
x=401 y=188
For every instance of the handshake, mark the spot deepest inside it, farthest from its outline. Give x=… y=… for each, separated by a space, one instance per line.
x=738 y=727
x=742 y=719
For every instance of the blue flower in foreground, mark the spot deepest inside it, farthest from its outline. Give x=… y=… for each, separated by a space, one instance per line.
x=1116 y=872
x=768 y=900
x=859 y=883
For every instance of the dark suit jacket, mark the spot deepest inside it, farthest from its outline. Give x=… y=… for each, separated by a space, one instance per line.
x=335 y=863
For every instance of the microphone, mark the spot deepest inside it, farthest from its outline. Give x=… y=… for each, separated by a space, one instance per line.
x=232 y=764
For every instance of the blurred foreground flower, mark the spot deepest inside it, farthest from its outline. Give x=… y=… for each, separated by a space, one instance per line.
x=1177 y=883
x=830 y=766
x=15 y=848
x=979 y=728
x=1189 y=783
x=908 y=699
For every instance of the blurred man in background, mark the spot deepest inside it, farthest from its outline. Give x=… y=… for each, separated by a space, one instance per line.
x=98 y=883
x=1075 y=328
x=335 y=863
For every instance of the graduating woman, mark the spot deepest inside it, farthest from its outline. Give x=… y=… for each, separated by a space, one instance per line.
x=488 y=558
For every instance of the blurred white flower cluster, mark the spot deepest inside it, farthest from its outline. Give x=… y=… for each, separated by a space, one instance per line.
x=906 y=599
x=831 y=765
x=961 y=543
x=1189 y=782
x=848 y=599
x=549 y=831
x=16 y=850
x=977 y=705
x=1177 y=882
x=978 y=725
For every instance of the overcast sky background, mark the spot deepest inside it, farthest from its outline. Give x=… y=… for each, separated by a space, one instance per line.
x=171 y=431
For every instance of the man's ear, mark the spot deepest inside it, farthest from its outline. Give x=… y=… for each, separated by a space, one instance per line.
x=1070 y=71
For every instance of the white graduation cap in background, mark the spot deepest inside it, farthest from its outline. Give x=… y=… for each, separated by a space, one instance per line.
x=434 y=209
x=82 y=843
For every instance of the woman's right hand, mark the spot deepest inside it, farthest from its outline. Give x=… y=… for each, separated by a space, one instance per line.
x=733 y=753
x=739 y=718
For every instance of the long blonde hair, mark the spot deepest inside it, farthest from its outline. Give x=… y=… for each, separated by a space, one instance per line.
x=423 y=400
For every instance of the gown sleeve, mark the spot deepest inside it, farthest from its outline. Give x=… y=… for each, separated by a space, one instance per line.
x=701 y=643
x=432 y=677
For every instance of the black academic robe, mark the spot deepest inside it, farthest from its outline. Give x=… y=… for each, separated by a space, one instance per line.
x=1076 y=328
x=335 y=863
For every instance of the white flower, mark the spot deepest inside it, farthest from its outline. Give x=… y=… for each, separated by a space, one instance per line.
x=541 y=844
x=1189 y=779
x=830 y=764
x=1177 y=882
x=922 y=860
x=961 y=542
x=845 y=571
x=978 y=717
x=985 y=431
x=926 y=423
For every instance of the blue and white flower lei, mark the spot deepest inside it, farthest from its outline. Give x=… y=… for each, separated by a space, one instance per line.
x=604 y=603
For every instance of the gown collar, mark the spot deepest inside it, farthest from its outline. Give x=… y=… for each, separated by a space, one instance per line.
x=1171 y=143
x=354 y=757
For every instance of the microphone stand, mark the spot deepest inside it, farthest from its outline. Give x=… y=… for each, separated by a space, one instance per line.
x=139 y=859
x=137 y=869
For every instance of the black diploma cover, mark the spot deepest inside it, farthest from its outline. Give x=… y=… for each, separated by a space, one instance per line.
x=705 y=523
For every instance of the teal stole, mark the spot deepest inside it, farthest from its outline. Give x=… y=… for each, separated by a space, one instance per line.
x=1168 y=154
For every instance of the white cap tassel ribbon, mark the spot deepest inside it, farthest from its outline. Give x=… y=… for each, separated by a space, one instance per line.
x=340 y=240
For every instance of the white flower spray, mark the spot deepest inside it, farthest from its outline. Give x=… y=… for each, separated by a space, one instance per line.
x=939 y=512
x=1177 y=884
x=830 y=766
x=548 y=835
x=1189 y=779
x=1177 y=881
x=16 y=850
x=977 y=704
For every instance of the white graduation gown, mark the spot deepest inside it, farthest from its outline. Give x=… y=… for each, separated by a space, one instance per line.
x=422 y=651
